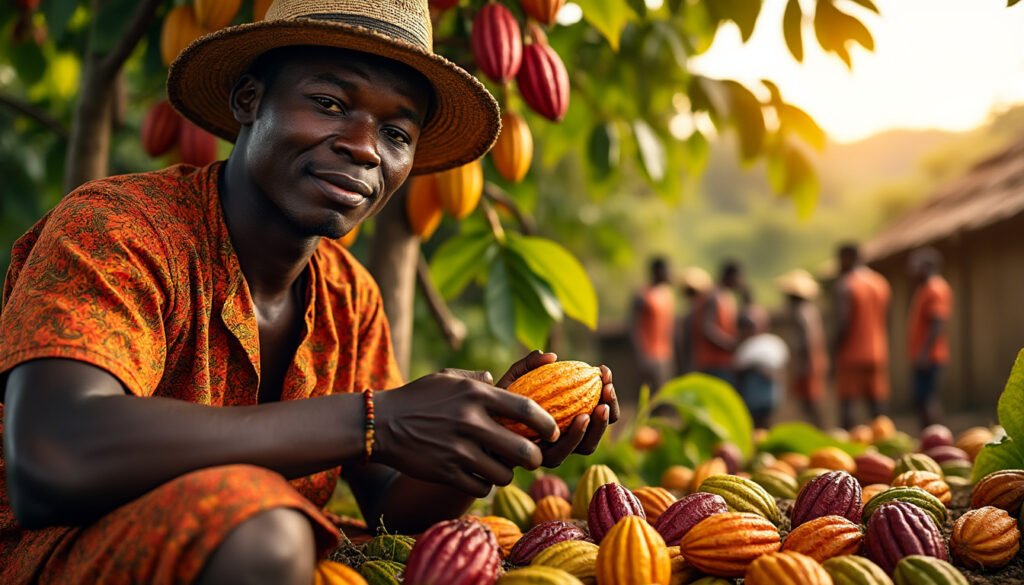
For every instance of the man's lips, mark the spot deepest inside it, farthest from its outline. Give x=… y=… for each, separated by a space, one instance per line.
x=343 y=188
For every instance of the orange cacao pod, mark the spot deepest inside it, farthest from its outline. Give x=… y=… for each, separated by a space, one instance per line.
x=460 y=188
x=1002 y=489
x=973 y=439
x=874 y=468
x=179 y=29
x=786 y=568
x=564 y=389
x=926 y=480
x=715 y=466
x=504 y=530
x=871 y=490
x=196 y=146
x=646 y=438
x=882 y=428
x=654 y=500
x=542 y=80
x=833 y=458
x=862 y=434
x=543 y=11
x=350 y=238
x=513 y=151
x=552 y=508
x=634 y=539
x=259 y=9
x=985 y=538
x=677 y=478
x=725 y=544
x=781 y=466
x=824 y=538
x=332 y=573
x=216 y=14
x=497 y=43
x=798 y=461
x=423 y=206
x=160 y=129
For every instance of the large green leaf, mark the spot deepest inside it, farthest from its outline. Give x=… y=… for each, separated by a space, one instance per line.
x=560 y=269
x=793 y=119
x=603 y=150
x=520 y=271
x=652 y=151
x=498 y=304
x=609 y=17
x=798 y=437
x=747 y=117
x=792 y=29
x=698 y=396
x=1011 y=403
x=1005 y=454
x=460 y=259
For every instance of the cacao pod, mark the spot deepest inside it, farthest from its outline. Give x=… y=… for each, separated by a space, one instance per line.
x=541 y=537
x=916 y=462
x=897 y=444
x=180 y=28
x=682 y=571
x=712 y=581
x=460 y=189
x=824 y=538
x=497 y=43
x=926 y=480
x=936 y=436
x=853 y=570
x=389 y=547
x=515 y=504
x=833 y=458
x=731 y=455
x=925 y=570
x=786 y=568
x=654 y=501
x=777 y=483
x=834 y=493
x=196 y=146
x=958 y=481
x=725 y=544
x=576 y=557
x=160 y=129
x=882 y=428
x=454 y=552
x=957 y=468
x=549 y=485
x=805 y=476
x=350 y=238
x=259 y=9
x=911 y=495
x=873 y=468
x=564 y=389
x=382 y=572
x=611 y=503
x=839 y=434
x=443 y=5
x=780 y=466
x=710 y=468
x=215 y=14
x=332 y=573
x=986 y=538
x=899 y=529
x=594 y=477
x=797 y=461
x=423 y=206
x=505 y=532
x=743 y=495
x=543 y=81
x=513 y=151
x=871 y=490
x=677 y=478
x=645 y=437
x=1002 y=489
x=862 y=434
x=543 y=11
x=973 y=439
x=632 y=553
x=539 y=575
x=552 y=508
x=683 y=515
x=943 y=454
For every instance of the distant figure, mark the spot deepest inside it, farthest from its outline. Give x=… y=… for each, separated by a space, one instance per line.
x=651 y=329
x=861 y=345
x=753 y=317
x=695 y=284
x=716 y=334
x=809 y=364
x=928 y=342
x=760 y=363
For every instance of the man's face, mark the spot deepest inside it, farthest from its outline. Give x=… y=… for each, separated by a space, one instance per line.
x=334 y=137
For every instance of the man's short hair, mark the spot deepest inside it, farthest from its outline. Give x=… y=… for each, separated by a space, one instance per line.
x=928 y=256
x=730 y=269
x=850 y=249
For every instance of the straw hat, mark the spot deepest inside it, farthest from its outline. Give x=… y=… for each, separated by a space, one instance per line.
x=798 y=283
x=696 y=278
x=466 y=119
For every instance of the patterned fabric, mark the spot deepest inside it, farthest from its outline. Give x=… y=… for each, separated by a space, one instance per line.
x=137 y=275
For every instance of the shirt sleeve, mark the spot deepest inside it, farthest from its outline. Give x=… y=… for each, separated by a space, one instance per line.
x=939 y=304
x=93 y=288
x=376 y=366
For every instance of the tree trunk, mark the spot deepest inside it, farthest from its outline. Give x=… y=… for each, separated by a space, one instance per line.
x=89 y=147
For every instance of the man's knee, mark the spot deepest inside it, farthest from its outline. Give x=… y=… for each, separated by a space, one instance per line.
x=274 y=546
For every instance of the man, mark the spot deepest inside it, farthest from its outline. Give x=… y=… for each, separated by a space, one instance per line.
x=716 y=331
x=141 y=305
x=809 y=365
x=928 y=342
x=695 y=283
x=651 y=330
x=861 y=344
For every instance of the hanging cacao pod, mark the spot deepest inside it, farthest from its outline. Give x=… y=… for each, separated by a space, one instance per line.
x=216 y=14
x=542 y=80
x=513 y=151
x=259 y=9
x=179 y=29
x=497 y=42
x=197 y=146
x=160 y=129
x=460 y=188
x=423 y=206
x=543 y=11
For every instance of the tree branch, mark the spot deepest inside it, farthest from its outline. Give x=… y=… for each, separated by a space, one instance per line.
x=37 y=114
x=453 y=329
x=493 y=220
x=499 y=197
x=145 y=13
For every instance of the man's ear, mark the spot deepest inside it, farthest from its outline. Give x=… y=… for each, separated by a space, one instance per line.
x=245 y=99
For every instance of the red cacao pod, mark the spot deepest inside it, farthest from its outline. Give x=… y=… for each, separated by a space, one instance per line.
x=1002 y=489
x=497 y=42
x=899 y=529
x=160 y=129
x=945 y=453
x=549 y=485
x=542 y=80
x=936 y=436
x=683 y=515
x=873 y=468
x=543 y=11
x=835 y=493
x=611 y=503
x=423 y=206
x=216 y=14
x=196 y=146
x=825 y=537
x=542 y=536
x=454 y=552
x=513 y=151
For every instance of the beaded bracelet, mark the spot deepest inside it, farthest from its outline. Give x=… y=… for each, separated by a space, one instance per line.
x=368 y=398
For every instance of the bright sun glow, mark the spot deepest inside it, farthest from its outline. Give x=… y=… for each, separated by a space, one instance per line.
x=937 y=64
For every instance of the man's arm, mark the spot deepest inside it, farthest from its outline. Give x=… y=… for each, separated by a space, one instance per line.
x=712 y=331
x=935 y=327
x=843 y=312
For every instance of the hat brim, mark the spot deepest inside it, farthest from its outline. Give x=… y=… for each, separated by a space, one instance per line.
x=465 y=121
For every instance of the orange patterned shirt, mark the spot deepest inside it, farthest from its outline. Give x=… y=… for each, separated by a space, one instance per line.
x=136 y=274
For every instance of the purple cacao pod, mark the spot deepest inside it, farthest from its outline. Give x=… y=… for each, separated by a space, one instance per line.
x=936 y=436
x=835 y=493
x=611 y=503
x=683 y=515
x=731 y=455
x=899 y=529
x=549 y=485
x=944 y=453
x=873 y=468
x=454 y=552
x=542 y=536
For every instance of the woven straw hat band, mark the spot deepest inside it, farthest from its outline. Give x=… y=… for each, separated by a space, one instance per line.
x=406 y=20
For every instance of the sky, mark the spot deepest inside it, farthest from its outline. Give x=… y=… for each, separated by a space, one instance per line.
x=944 y=64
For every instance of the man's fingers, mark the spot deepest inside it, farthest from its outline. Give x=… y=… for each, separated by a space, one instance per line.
x=489 y=469
x=479 y=376
x=522 y=409
x=532 y=361
x=512 y=448
x=557 y=452
x=609 y=398
x=595 y=430
x=471 y=485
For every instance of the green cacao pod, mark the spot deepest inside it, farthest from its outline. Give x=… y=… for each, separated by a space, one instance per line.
x=910 y=495
x=382 y=572
x=743 y=495
x=777 y=483
x=538 y=575
x=896 y=445
x=923 y=570
x=956 y=468
x=854 y=570
x=576 y=557
x=916 y=462
x=515 y=504
x=594 y=477
x=390 y=547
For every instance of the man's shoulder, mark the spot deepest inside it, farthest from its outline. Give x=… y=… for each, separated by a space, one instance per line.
x=168 y=196
x=342 y=269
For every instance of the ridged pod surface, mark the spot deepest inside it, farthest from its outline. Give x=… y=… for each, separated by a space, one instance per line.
x=985 y=538
x=926 y=480
x=460 y=188
x=332 y=573
x=611 y=503
x=160 y=128
x=512 y=153
x=946 y=453
x=515 y=504
x=632 y=553
x=682 y=571
x=539 y=575
x=505 y=531
x=899 y=529
x=743 y=495
x=543 y=11
x=454 y=552
x=873 y=468
x=390 y=547
x=786 y=568
x=180 y=28
x=711 y=467
x=910 y=495
x=683 y=515
x=916 y=462
x=497 y=42
x=654 y=501
x=731 y=454
x=824 y=538
x=549 y=485
x=725 y=544
x=216 y=14
x=541 y=537
x=871 y=490
x=833 y=458
x=423 y=208
x=1002 y=489
x=955 y=468
x=382 y=572
x=833 y=493
x=924 y=570
x=712 y=581
x=195 y=145
x=936 y=436
x=780 y=466
x=576 y=557
x=677 y=478
x=973 y=439
x=854 y=570
x=777 y=483
x=564 y=389
x=543 y=81
x=552 y=508
x=594 y=477
x=899 y=443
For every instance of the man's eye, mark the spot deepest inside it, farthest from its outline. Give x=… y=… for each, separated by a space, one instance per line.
x=397 y=135
x=328 y=103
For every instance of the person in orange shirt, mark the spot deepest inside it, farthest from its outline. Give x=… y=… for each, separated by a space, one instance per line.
x=928 y=342
x=695 y=284
x=188 y=357
x=716 y=332
x=861 y=346
x=652 y=320
x=809 y=364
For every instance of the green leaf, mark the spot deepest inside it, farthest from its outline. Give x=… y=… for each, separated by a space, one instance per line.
x=698 y=151
x=798 y=437
x=792 y=118
x=563 y=272
x=747 y=117
x=498 y=304
x=519 y=271
x=1005 y=454
x=698 y=396
x=609 y=17
x=1011 y=3
x=533 y=325
x=58 y=13
x=1011 y=402
x=792 y=29
x=743 y=12
x=603 y=149
x=651 y=150
x=459 y=260
x=28 y=61
x=835 y=29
